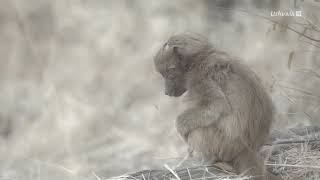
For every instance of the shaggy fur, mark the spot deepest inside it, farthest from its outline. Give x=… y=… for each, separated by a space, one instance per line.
x=229 y=112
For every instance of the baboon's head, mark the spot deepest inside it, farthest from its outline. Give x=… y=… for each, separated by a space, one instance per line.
x=175 y=58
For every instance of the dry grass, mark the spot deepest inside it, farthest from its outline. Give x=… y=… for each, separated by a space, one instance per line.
x=288 y=160
x=301 y=161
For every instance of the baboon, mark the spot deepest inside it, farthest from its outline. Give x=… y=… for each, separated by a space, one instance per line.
x=228 y=114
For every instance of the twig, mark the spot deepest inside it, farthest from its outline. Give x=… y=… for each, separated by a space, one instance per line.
x=295 y=141
x=310 y=43
x=308 y=70
x=282 y=92
x=143 y=177
x=189 y=174
x=291 y=165
x=95 y=175
x=312 y=24
x=172 y=171
x=182 y=161
x=298 y=89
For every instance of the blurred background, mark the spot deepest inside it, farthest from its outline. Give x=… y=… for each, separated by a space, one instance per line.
x=79 y=96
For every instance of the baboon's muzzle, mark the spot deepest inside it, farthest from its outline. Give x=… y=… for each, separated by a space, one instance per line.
x=174 y=88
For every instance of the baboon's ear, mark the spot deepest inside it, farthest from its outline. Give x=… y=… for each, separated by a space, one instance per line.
x=184 y=61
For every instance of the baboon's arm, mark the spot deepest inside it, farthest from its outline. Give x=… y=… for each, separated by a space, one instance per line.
x=201 y=116
x=211 y=103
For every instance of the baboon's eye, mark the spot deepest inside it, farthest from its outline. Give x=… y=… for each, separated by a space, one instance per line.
x=178 y=55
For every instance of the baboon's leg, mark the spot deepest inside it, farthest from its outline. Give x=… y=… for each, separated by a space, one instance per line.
x=247 y=162
x=250 y=162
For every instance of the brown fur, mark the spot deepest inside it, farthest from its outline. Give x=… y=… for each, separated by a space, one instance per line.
x=229 y=112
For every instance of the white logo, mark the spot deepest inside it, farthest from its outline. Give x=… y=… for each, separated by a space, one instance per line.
x=286 y=13
x=298 y=13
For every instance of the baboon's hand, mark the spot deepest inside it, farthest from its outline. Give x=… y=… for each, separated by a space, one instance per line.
x=194 y=118
x=201 y=116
